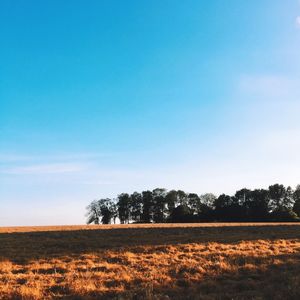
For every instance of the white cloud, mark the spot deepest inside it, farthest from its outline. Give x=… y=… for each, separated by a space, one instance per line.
x=298 y=21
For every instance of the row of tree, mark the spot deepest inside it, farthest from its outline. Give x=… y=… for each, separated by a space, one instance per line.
x=277 y=203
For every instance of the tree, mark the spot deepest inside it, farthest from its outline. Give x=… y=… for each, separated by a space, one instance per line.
x=194 y=203
x=277 y=193
x=277 y=203
x=147 y=210
x=208 y=199
x=123 y=206
x=136 y=206
x=159 y=205
x=222 y=207
x=241 y=200
x=182 y=198
x=102 y=210
x=257 y=205
x=281 y=200
x=171 y=201
x=181 y=214
x=296 y=197
x=93 y=213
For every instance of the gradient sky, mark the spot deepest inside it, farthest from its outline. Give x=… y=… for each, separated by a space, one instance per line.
x=103 y=97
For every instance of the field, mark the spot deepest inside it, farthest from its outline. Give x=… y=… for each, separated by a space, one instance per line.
x=187 y=261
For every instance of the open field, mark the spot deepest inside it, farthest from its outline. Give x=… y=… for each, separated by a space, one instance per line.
x=169 y=261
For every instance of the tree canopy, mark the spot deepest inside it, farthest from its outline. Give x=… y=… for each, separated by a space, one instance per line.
x=277 y=203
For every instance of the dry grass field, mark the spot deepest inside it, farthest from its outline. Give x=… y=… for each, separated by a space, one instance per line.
x=173 y=261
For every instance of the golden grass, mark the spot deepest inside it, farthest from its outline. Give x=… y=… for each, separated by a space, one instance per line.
x=161 y=261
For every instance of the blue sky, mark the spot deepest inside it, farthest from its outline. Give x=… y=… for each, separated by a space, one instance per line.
x=103 y=97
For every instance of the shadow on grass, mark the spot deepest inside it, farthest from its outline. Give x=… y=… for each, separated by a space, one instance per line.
x=280 y=281
x=266 y=281
x=22 y=247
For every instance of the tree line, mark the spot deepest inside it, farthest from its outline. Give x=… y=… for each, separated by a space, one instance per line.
x=275 y=204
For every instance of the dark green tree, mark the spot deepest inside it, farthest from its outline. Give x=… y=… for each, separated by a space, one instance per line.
x=123 y=206
x=277 y=194
x=147 y=210
x=171 y=201
x=182 y=198
x=296 y=198
x=282 y=201
x=136 y=207
x=222 y=207
x=257 y=205
x=159 y=205
x=181 y=214
x=194 y=203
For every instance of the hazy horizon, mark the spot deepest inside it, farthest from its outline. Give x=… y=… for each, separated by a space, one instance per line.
x=108 y=97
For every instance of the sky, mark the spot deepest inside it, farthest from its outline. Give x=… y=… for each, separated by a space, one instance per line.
x=103 y=97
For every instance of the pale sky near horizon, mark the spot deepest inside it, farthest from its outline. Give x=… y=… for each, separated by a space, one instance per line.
x=103 y=97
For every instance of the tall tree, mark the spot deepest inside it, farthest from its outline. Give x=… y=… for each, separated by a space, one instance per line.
x=208 y=199
x=181 y=214
x=258 y=205
x=159 y=205
x=194 y=203
x=182 y=198
x=206 y=212
x=280 y=197
x=93 y=213
x=102 y=210
x=171 y=201
x=296 y=197
x=222 y=207
x=136 y=206
x=147 y=210
x=123 y=205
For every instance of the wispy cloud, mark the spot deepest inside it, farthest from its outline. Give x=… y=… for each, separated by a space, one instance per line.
x=98 y=182
x=298 y=22
x=9 y=158
x=12 y=157
x=56 y=168
x=270 y=86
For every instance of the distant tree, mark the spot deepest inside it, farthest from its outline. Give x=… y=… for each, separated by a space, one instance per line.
x=288 y=200
x=206 y=208
x=282 y=201
x=242 y=199
x=296 y=198
x=257 y=205
x=171 y=201
x=102 y=210
x=182 y=198
x=123 y=206
x=147 y=209
x=277 y=195
x=194 y=203
x=275 y=204
x=136 y=207
x=181 y=214
x=159 y=205
x=93 y=213
x=222 y=206
x=208 y=199
x=243 y=196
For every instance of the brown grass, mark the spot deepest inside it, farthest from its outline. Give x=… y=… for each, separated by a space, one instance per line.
x=169 y=261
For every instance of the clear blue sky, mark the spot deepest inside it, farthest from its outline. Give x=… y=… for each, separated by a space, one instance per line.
x=103 y=97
